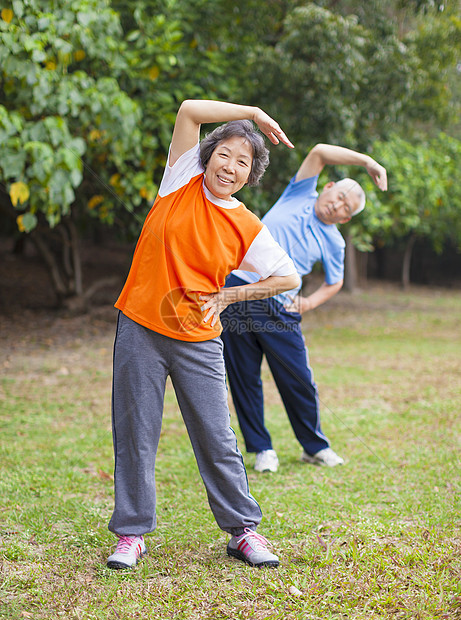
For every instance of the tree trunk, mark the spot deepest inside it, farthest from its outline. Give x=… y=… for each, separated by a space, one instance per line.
x=57 y=280
x=60 y=250
x=363 y=269
x=407 y=261
x=350 y=274
x=76 y=258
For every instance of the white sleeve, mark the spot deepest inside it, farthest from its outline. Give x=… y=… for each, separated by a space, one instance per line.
x=182 y=171
x=266 y=257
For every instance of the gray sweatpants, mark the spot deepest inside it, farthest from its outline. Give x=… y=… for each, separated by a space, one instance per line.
x=143 y=360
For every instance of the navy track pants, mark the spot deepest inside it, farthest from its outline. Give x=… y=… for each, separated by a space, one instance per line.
x=252 y=329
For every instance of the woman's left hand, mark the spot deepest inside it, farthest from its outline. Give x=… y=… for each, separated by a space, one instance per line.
x=214 y=304
x=271 y=128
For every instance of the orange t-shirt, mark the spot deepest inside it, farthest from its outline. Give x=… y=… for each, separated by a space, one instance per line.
x=190 y=241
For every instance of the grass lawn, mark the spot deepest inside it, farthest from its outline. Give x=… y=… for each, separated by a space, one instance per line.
x=377 y=538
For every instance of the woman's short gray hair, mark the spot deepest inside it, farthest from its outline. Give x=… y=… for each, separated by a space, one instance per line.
x=244 y=129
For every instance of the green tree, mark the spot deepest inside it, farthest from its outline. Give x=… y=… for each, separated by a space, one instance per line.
x=423 y=200
x=332 y=79
x=352 y=73
x=89 y=98
x=65 y=116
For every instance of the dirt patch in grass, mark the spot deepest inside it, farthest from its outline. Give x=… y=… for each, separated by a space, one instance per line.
x=28 y=306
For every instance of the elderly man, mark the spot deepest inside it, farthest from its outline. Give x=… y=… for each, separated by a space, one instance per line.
x=304 y=222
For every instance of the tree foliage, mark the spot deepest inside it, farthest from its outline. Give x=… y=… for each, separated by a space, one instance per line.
x=423 y=200
x=424 y=196
x=90 y=99
x=332 y=79
x=57 y=110
x=90 y=89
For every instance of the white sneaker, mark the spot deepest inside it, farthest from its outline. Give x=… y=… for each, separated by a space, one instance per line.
x=267 y=461
x=327 y=457
x=130 y=550
x=251 y=548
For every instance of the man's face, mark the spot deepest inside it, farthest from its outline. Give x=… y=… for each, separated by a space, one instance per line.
x=335 y=205
x=229 y=167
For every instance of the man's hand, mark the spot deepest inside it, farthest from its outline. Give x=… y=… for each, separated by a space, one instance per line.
x=298 y=304
x=271 y=128
x=317 y=298
x=378 y=174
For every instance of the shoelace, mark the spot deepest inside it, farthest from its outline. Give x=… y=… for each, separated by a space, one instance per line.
x=258 y=541
x=124 y=543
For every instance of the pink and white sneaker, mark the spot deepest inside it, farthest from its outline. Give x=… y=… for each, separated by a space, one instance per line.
x=251 y=548
x=130 y=550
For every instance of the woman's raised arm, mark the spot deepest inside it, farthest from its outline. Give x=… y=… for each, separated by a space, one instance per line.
x=194 y=112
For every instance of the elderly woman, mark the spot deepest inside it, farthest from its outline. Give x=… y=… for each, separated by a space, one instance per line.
x=195 y=234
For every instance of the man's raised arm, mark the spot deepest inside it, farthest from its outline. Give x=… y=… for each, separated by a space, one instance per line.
x=330 y=154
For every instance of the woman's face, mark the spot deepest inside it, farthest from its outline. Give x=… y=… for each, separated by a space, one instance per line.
x=229 y=167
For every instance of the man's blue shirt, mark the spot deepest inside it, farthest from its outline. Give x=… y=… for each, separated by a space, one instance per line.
x=294 y=225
